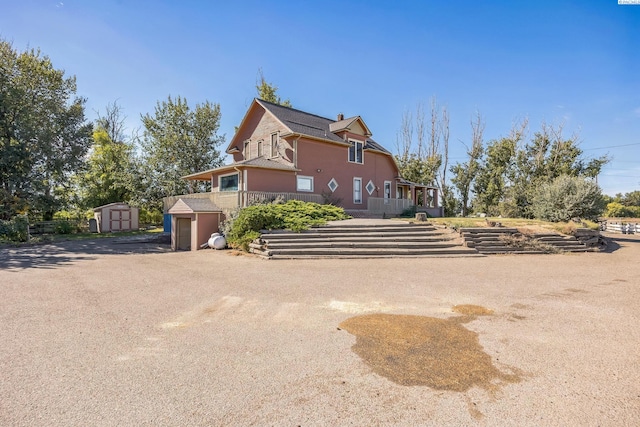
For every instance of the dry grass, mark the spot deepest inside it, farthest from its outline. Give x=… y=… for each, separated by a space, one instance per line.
x=536 y=226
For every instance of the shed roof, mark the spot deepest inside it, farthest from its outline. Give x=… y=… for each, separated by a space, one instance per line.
x=194 y=205
x=96 y=209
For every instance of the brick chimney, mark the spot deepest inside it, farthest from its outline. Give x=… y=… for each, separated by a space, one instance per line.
x=340 y=117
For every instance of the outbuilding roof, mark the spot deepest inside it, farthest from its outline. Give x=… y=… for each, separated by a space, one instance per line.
x=194 y=205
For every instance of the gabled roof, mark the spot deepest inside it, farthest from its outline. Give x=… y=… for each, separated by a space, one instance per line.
x=96 y=209
x=258 y=162
x=311 y=125
x=348 y=124
x=193 y=205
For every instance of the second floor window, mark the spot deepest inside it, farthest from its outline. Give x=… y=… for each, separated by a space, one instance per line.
x=355 y=152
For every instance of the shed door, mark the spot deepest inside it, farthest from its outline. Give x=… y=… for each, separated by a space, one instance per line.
x=114 y=220
x=120 y=219
x=125 y=220
x=183 y=237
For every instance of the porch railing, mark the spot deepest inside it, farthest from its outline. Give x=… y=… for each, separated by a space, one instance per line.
x=229 y=200
x=379 y=206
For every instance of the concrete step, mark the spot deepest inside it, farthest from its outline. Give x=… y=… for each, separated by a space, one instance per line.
x=492 y=230
x=269 y=239
x=347 y=235
x=359 y=229
x=364 y=245
x=368 y=252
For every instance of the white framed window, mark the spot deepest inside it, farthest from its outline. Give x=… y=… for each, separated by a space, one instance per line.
x=357 y=190
x=333 y=185
x=355 y=152
x=228 y=182
x=260 y=148
x=387 y=191
x=370 y=187
x=304 y=183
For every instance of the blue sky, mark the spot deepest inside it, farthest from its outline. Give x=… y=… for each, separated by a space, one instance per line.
x=572 y=62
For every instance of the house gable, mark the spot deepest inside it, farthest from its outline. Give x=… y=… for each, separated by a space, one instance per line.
x=354 y=125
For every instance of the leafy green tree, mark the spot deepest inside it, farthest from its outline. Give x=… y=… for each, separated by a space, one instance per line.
x=568 y=197
x=43 y=133
x=269 y=91
x=108 y=176
x=618 y=210
x=631 y=199
x=178 y=141
x=490 y=184
x=547 y=156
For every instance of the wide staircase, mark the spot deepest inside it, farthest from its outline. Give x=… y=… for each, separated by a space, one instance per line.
x=391 y=240
x=502 y=240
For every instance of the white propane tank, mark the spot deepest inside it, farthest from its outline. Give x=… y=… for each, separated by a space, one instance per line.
x=211 y=239
x=216 y=241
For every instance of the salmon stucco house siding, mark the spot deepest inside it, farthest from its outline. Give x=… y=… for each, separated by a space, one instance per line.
x=281 y=152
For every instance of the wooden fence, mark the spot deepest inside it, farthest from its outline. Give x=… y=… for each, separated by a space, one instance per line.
x=621 y=227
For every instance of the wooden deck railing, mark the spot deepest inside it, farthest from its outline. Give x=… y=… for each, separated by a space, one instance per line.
x=379 y=206
x=229 y=200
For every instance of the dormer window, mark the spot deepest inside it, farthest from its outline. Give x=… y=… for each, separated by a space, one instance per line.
x=355 y=152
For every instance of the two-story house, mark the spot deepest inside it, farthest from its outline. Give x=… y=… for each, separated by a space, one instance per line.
x=283 y=152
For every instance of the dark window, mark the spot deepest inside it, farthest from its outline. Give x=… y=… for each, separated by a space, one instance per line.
x=229 y=183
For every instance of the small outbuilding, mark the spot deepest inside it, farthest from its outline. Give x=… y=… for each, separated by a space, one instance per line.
x=192 y=223
x=116 y=217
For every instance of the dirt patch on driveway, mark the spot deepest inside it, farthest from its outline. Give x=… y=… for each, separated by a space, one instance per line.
x=426 y=351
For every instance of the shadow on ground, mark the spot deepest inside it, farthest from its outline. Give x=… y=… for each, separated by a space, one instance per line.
x=52 y=255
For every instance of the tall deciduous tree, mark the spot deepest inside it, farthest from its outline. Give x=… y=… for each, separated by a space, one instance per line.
x=497 y=171
x=178 y=141
x=43 y=133
x=109 y=173
x=465 y=173
x=269 y=91
x=418 y=152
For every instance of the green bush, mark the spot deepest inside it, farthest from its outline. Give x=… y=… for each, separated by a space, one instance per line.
x=64 y=227
x=150 y=217
x=409 y=212
x=618 y=210
x=242 y=228
x=16 y=229
x=568 y=197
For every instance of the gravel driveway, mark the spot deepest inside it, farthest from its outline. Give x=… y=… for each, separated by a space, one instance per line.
x=118 y=334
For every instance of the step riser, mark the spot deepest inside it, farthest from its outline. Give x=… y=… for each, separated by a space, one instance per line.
x=366 y=253
x=359 y=245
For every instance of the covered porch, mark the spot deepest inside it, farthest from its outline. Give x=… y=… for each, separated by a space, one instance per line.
x=423 y=197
